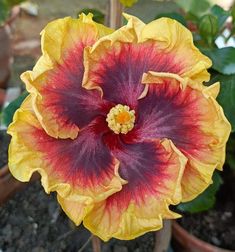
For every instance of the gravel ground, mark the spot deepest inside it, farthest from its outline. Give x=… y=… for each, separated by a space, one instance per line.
x=32 y=221
x=4 y=141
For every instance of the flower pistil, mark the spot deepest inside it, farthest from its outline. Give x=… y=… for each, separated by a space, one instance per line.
x=121 y=119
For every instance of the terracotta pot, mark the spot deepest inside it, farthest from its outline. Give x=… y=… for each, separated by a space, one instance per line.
x=189 y=243
x=2 y=96
x=6 y=48
x=9 y=185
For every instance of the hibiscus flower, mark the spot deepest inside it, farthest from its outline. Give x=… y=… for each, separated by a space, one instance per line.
x=118 y=123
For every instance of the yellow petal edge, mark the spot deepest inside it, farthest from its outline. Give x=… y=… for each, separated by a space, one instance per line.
x=168 y=36
x=24 y=161
x=139 y=219
x=219 y=128
x=57 y=37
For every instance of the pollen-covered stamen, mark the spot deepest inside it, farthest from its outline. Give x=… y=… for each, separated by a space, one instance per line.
x=121 y=119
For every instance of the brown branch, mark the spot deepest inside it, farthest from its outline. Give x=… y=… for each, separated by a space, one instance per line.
x=163 y=237
x=115 y=14
x=96 y=244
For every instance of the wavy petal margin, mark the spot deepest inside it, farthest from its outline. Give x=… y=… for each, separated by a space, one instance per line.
x=153 y=171
x=189 y=115
x=80 y=170
x=173 y=37
x=61 y=104
x=116 y=63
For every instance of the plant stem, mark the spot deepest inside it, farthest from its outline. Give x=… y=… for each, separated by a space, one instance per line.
x=86 y=243
x=163 y=237
x=96 y=244
x=65 y=235
x=115 y=14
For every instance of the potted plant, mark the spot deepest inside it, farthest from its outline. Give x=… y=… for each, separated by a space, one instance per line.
x=208 y=221
x=208 y=48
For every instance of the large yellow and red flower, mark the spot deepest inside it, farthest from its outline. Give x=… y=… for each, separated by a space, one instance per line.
x=118 y=123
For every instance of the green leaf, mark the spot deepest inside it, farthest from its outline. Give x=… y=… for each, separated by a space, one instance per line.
x=4 y=11
x=98 y=16
x=208 y=28
x=233 y=13
x=173 y=15
x=230 y=152
x=221 y=14
x=233 y=20
x=128 y=3
x=204 y=201
x=226 y=97
x=195 y=7
x=223 y=59
x=5 y=7
x=8 y=112
x=230 y=160
x=14 y=2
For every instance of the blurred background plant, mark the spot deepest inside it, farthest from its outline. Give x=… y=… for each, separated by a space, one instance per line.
x=5 y=9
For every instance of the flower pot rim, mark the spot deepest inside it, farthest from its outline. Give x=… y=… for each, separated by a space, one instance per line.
x=10 y=184
x=2 y=97
x=184 y=238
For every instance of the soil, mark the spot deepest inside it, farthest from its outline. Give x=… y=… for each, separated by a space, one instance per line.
x=216 y=226
x=4 y=141
x=33 y=221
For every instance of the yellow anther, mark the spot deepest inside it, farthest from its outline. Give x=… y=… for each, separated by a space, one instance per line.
x=121 y=119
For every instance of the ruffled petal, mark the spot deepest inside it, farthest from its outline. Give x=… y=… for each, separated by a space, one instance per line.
x=174 y=38
x=116 y=62
x=76 y=210
x=191 y=118
x=61 y=104
x=80 y=170
x=153 y=170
